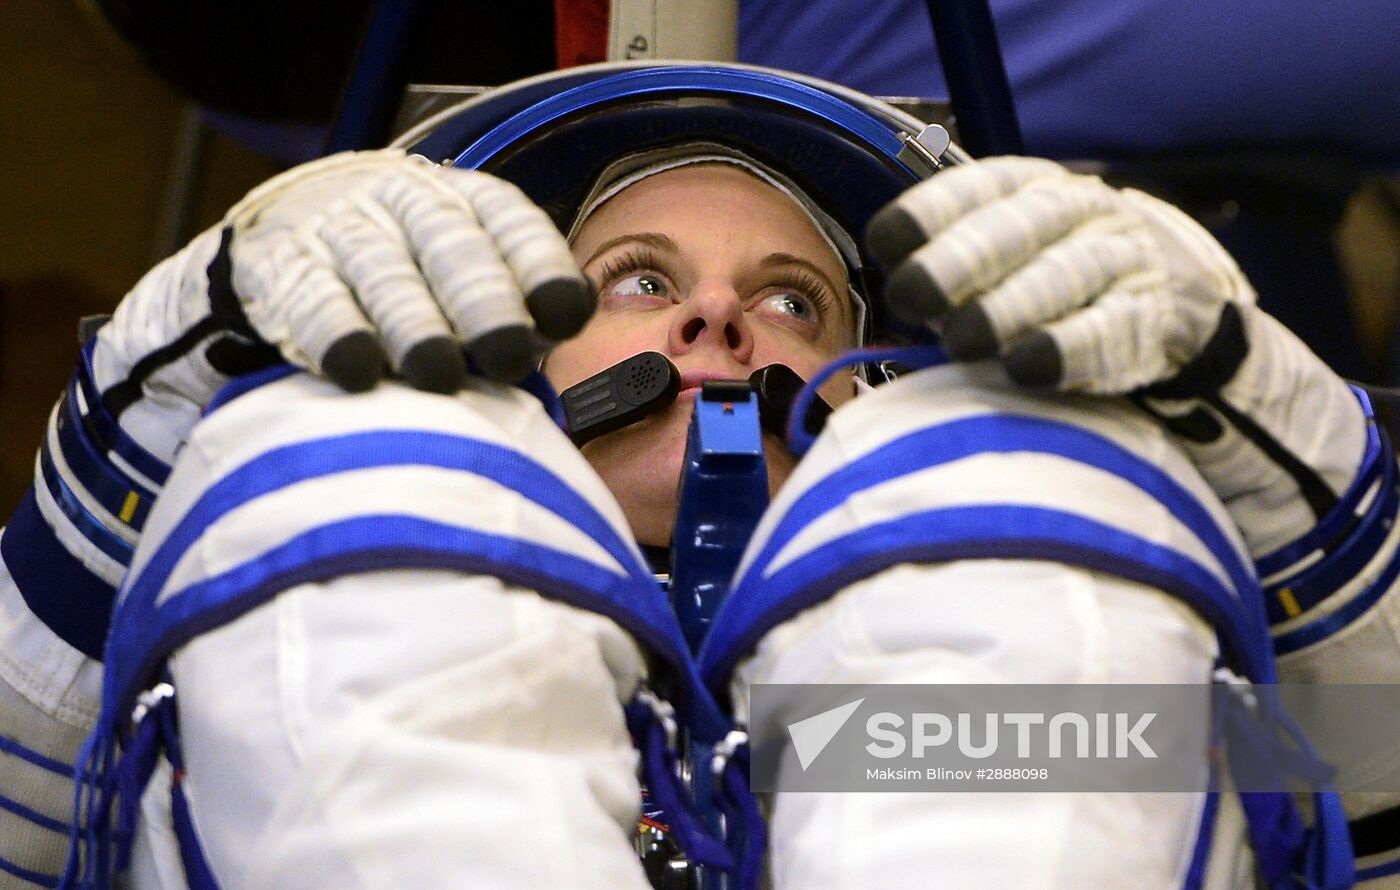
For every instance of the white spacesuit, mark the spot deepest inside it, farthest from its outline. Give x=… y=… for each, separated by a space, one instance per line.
x=395 y=637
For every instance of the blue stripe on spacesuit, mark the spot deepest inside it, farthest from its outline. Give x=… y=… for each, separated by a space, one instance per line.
x=15 y=749
x=124 y=497
x=25 y=874
x=998 y=434
x=1329 y=624
x=151 y=621
x=375 y=543
x=755 y=606
x=1325 y=577
x=247 y=383
x=106 y=429
x=33 y=816
x=630 y=598
x=1377 y=459
x=763 y=598
x=301 y=461
x=981 y=531
x=1205 y=834
x=89 y=526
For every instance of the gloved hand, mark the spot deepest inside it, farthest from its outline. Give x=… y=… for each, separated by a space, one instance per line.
x=343 y=266
x=1079 y=286
x=349 y=266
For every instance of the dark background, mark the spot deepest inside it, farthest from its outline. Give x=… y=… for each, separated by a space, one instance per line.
x=87 y=136
x=97 y=100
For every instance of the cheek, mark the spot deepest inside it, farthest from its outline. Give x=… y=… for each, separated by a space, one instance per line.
x=602 y=343
x=839 y=390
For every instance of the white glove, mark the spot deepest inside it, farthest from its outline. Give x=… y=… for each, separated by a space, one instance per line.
x=343 y=266
x=1083 y=287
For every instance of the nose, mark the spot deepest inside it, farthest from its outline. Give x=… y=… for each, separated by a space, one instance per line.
x=712 y=316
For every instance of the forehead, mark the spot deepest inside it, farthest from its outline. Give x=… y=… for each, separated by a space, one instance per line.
x=709 y=201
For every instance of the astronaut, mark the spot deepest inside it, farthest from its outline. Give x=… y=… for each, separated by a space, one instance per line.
x=385 y=625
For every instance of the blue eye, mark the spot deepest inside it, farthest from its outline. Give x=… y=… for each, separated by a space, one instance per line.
x=642 y=284
x=800 y=300
x=795 y=305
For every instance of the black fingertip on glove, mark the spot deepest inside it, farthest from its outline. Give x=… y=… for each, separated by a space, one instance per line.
x=355 y=362
x=892 y=235
x=1034 y=361
x=506 y=355
x=435 y=365
x=912 y=296
x=968 y=335
x=562 y=306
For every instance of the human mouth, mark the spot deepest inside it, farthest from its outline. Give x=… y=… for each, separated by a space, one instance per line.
x=692 y=381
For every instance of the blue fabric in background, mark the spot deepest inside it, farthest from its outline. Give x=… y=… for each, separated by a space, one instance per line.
x=1260 y=117
x=1095 y=78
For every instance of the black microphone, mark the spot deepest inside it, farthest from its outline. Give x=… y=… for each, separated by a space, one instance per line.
x=777 y=386
x=623 y=394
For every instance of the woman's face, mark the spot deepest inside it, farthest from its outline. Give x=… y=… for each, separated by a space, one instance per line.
x=721 y=273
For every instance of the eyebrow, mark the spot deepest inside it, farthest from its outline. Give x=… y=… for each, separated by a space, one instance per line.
x=787 y=259
x=650 y=239
x=660 y=241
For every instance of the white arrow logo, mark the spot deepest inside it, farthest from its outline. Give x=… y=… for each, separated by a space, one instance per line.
x=811 y=736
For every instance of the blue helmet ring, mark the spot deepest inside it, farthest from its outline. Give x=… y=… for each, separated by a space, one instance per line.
x=554 y=134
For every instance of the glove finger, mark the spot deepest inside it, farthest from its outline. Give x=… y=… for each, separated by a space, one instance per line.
x=1061 y=278
x=1116 y=345
x=558 y=295
x=926 y=209
x=464 y=270
x=1190 y=250
x=295 y=300
x=375 y=261
x=982 y=248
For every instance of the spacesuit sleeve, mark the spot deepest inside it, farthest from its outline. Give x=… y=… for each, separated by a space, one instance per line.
x=946 y=529
x=64 y=550
x=49 y=694
x=400 y=630
x=1334 y=616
